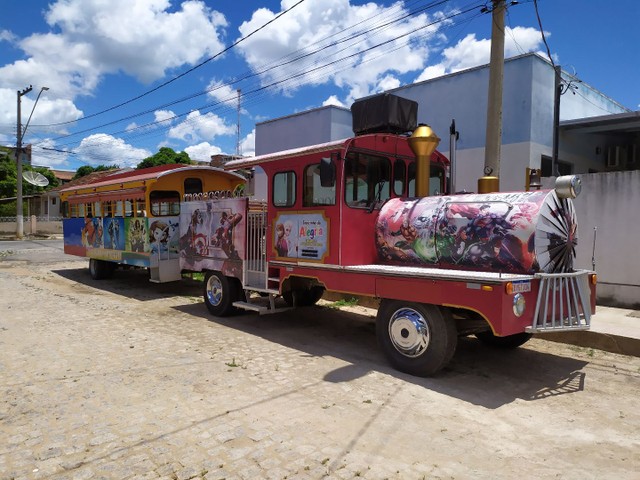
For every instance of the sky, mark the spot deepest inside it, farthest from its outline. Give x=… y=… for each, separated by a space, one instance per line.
x=128 y=77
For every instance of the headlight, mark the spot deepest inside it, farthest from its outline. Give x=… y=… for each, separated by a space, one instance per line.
x=518 y=304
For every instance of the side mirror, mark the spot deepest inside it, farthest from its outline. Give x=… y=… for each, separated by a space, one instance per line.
x=327 y=173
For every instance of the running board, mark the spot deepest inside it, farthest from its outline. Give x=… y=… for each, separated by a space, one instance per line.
x=263 y=305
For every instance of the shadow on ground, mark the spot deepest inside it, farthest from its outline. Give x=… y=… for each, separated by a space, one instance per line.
x=477 y=374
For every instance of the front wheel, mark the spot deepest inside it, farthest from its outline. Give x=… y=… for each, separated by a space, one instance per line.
x=510 y=341
x=220 y=292
x=416 y=338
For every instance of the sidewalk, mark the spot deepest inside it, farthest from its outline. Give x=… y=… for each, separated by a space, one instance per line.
x=615 y=330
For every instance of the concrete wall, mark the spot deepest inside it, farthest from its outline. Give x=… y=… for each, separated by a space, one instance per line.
x=32 y=226
x=301 y=129
x=610 y=202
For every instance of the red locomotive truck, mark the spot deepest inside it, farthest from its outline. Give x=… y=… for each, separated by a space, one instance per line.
x=367 y=216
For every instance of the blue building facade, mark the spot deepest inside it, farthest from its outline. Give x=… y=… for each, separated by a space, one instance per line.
x=527 y=121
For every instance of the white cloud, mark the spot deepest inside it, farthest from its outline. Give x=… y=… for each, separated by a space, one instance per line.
x=222 y=92
x=202 y=152
x=93 y=38
x=49 y=110
x=472 y=52
x=164 y=117
x=333 y=100
x=305 y=28
x=248 y=144
x=198 y=127
x=103 y=149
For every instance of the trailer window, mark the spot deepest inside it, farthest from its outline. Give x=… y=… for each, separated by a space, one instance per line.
x=367 y=179
x=192 y=185
x=164 y=203
x=284 y=189
x=314 y=193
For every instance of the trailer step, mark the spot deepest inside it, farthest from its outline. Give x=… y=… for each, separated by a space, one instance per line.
x=263 y=308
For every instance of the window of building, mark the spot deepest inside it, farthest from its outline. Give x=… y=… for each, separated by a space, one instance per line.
x=284 y=189
x=546 y=165
x=367 y=179
x=314 y=193
x=164 y=203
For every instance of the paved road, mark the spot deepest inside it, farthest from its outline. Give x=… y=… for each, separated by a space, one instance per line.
x=122 y=379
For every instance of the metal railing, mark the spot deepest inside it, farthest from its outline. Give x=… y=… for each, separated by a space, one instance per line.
x=564 y=302
x=255 y=265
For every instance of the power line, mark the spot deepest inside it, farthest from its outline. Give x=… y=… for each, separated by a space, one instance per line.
x=290 y=79
x=186 y=72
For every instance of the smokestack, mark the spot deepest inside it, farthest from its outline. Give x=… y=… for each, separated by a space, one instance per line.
x=423 y=142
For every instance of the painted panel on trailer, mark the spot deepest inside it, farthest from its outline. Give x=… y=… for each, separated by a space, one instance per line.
x=136 y=238
x=212 y=235
x=164 y=237
x=301 y=235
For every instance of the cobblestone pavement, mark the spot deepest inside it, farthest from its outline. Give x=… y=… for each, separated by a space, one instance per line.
x=123 y=379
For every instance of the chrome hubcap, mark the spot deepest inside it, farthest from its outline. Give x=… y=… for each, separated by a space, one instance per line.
x=409 y=332
x=214 y=290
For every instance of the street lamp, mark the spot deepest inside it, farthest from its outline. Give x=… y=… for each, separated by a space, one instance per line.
x=20 y=135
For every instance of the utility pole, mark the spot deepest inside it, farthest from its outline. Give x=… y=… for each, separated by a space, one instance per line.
x=557 y=92
x=239 y=92
x=19 y=213
x=490 y=182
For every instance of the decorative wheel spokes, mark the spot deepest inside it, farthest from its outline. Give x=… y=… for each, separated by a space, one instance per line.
x=409 y=332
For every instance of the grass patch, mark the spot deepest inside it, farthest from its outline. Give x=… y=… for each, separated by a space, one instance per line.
x=351 y=302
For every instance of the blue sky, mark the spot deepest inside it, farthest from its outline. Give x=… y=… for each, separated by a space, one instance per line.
x=106 y=64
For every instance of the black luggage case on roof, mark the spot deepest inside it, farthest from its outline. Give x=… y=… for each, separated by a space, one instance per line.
x=385 y=113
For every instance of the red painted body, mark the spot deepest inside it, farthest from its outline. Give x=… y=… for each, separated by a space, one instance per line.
x=348 y=259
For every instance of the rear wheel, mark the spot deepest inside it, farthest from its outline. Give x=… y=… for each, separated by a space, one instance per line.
x=100 y=269
x=510 y=341
x=416 y=338
x=220 y=292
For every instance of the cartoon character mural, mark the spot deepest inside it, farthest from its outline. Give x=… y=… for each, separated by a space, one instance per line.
x=136 y=235
x=301 y=235
x=92 y=232
x=507 y=232
x=158 y=236
x=114 y=233
x=212 y=235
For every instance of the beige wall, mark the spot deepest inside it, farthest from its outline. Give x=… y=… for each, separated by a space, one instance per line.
x=610 y=202
x=31 y=226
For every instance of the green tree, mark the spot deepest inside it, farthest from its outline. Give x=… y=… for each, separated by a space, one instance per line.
x=165 y=156
x=87 y=169
x=9 y=184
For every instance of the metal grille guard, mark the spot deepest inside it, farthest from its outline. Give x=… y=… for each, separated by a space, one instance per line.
x=564 y=303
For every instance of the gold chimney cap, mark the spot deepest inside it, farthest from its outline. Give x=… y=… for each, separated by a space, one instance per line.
x=423 y=141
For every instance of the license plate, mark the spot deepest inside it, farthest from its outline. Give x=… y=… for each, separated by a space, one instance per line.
x=521 y=286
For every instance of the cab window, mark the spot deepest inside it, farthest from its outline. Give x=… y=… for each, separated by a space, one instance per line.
x=367 y=180
x=284 y=189
x=314 y=193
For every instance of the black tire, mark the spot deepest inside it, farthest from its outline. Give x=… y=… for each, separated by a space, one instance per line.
x=101 y=269
x=416 y=338
x=508 y=342
x=220 y=292
x=303 y=298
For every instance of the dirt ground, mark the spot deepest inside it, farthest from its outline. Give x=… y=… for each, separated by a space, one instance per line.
x=122 y=378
